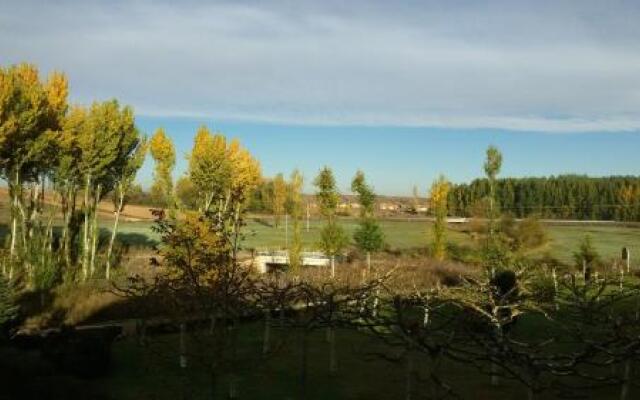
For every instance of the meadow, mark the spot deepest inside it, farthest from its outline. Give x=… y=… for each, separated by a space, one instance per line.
x=408 y=233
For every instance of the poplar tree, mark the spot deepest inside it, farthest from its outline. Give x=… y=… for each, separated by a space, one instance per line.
x=105 y=138
x=164 y=156
x=332 y=237
x=209 y=168
x=368 y=236
x=494 y=254
x=223 y=173
x=131 y=160
x=245 y=176
x=492 y=166
x=30 y=111
x=295 y=209
x=279 y=198
x=438 y=201
x=67 y=179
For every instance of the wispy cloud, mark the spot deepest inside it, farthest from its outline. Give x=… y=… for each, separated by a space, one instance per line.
x=539 y=66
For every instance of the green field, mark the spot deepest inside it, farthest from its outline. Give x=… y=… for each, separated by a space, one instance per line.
x=407 y=234
x=400 y=234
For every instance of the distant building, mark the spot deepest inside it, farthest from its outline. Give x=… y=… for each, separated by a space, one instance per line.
x=389 y=206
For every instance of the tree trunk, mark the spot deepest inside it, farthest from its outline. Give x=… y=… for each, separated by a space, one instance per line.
x=368 y=262
x=333 y=266
x=94 y=239
x=286 y=231
x=376 y=300
x=425 y=319
x=14 y=228
x=85 y=239
x=114 y=232
x=555 y=288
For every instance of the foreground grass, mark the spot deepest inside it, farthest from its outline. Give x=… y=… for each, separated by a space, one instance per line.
x=153 y=372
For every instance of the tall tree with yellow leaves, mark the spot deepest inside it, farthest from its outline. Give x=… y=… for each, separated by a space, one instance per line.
x=223 y=173
x=105 y=137
x=209 y=168
x=30 y=110
x=279 y=198
x=295 y=209
x=438 y=203
x=164 y=156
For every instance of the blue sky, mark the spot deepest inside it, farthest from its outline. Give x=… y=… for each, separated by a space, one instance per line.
x=403 y=89
x=396 y=158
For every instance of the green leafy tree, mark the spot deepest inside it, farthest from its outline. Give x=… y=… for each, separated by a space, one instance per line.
x=368 y=236
x=125 y=174
x=587 y=257
x=333 y=239
x=492 y=166
x=105 y=136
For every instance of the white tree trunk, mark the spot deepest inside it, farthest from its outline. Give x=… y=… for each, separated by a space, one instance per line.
x=333 y=267
x=14 y=232
x=368 y=262
x=555 y=288
x=96 y=232
x=114 y=232
x=85 y=239
x=14 y=215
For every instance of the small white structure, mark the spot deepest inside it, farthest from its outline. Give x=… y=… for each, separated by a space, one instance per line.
x=265 y=261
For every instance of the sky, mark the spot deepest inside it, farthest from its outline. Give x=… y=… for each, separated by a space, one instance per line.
x=403 y=90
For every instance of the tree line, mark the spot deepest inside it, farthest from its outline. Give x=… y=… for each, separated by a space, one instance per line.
x=562 y=197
